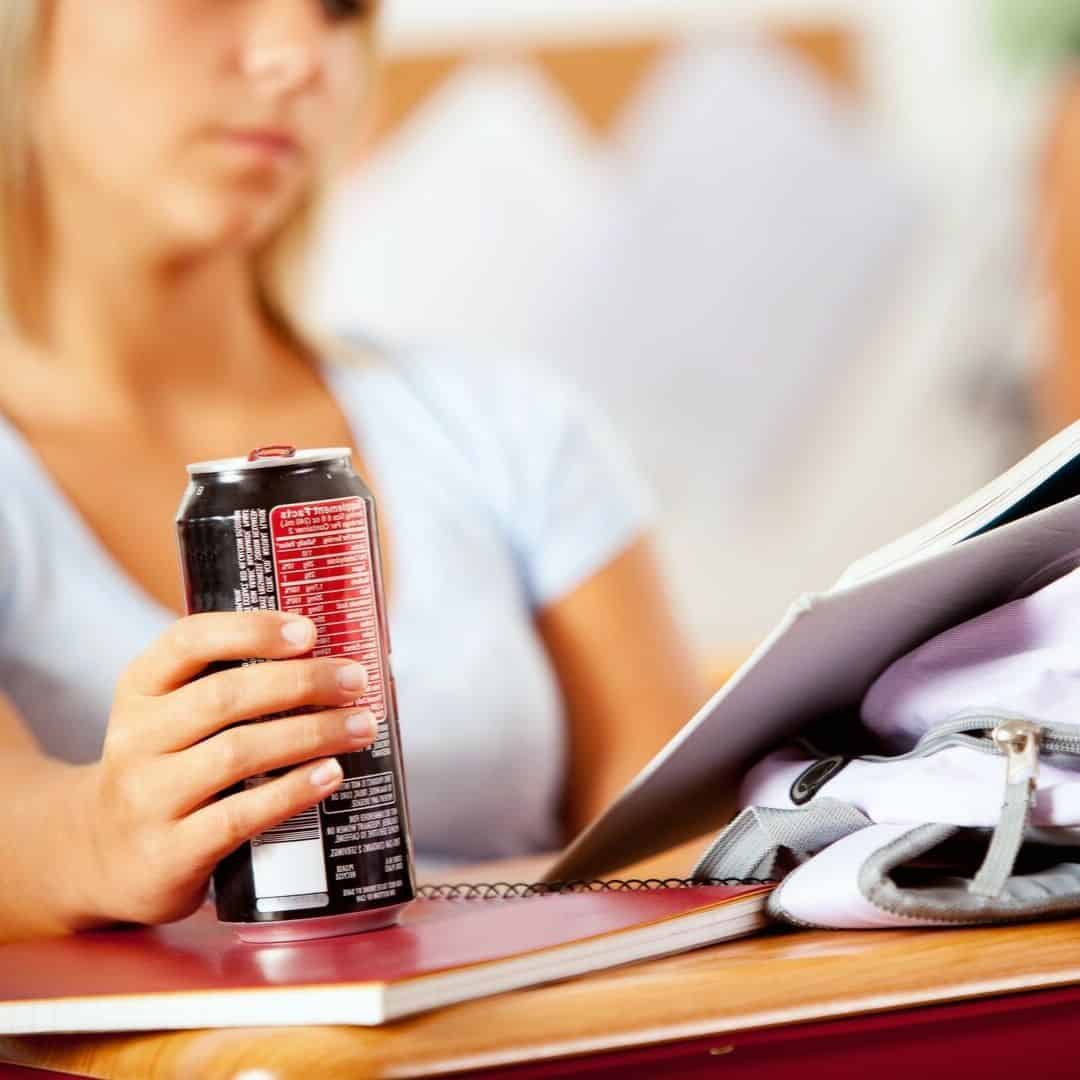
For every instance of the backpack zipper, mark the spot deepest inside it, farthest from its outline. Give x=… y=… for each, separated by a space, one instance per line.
x=1000 y=733
x=1020 y=740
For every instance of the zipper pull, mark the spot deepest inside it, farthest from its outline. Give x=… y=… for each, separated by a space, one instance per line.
x=1019 y=740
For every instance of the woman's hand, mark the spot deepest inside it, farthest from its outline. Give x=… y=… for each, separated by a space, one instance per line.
x=151 y=825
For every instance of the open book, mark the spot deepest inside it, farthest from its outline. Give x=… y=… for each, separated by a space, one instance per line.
x=1005 y=541
x=196 y=974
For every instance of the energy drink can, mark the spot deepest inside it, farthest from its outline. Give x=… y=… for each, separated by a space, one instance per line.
x=295 y=530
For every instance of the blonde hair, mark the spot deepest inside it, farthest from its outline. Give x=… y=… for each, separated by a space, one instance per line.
x=279 y=267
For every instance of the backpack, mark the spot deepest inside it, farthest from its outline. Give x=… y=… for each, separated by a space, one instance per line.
x=950 y=795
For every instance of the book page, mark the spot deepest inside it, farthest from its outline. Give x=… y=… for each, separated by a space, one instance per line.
x=974 y=513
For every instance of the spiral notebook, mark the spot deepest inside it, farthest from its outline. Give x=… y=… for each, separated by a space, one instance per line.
x=454 y=944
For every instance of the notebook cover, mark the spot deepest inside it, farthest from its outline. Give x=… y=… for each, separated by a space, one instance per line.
x=198 y=955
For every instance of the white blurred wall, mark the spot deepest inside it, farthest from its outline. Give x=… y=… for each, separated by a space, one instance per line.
x=937 y=95
x=904 y=431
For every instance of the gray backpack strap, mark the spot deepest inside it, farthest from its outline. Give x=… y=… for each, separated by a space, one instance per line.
x=752 y=845
x=1009 y=834
x=949 y=898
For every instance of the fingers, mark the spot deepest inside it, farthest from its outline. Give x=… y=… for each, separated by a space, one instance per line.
x=251 y=749
x=208 y=835
x=190 y=644
x=208 y=705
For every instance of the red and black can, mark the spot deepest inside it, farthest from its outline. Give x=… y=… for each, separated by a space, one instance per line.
x=296 y=531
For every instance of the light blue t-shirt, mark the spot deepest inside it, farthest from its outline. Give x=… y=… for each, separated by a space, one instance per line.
x=502 y=491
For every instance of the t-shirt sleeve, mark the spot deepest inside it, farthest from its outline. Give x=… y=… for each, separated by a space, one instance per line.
x=7 y=570
x=562 y=483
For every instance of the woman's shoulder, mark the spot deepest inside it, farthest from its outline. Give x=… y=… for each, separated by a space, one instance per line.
x=481 y=400
x=465 y=379
x=548 y=462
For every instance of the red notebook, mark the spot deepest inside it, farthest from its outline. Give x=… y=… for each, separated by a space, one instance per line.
x=196 y=974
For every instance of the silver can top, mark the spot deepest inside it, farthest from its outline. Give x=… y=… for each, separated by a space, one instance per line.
x=269 y=457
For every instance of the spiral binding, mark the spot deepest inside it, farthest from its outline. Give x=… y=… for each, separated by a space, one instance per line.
x=507 y=890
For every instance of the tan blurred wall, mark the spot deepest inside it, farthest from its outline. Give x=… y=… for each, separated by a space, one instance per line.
x=597 y=77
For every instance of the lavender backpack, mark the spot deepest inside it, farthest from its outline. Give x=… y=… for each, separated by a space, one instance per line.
x=950 y=796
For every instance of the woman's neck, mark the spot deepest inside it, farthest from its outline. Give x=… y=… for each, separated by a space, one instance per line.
x=156 y=330
x=115 y=312
x=149 y=339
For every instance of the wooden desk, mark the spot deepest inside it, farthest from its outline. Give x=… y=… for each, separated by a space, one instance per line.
x=757 y=1006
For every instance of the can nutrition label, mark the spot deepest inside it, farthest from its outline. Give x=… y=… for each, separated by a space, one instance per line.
x=299 y=535
x=323 y=569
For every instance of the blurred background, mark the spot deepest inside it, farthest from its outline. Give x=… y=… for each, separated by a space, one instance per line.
x=813 y=258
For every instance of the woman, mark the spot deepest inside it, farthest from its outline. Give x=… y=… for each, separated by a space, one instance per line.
x=161 y=161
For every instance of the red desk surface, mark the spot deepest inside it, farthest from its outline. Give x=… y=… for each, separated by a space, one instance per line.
x=995 y=1001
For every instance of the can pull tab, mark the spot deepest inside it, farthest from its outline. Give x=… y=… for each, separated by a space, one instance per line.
x=282 y=450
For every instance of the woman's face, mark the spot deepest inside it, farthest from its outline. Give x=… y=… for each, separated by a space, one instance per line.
x=203 y=121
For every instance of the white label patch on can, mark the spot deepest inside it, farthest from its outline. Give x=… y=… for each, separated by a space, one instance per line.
x=287 y=863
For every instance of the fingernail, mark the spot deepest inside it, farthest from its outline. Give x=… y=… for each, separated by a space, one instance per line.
x=361 y=727
x=329 y=772
x=353 y=677
x=298 y=632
